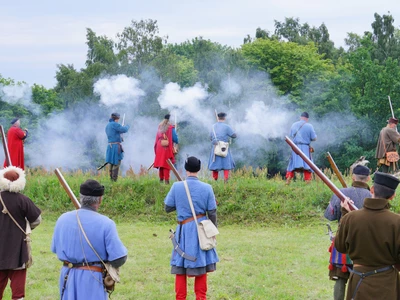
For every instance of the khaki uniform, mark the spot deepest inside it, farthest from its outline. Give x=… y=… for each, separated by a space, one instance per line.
x=371 y=237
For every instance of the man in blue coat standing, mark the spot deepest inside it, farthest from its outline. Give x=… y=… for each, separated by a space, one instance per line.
x=83 y=239
x=193 y=261
x=302 y=134
x=221 y=132
x=115 y=152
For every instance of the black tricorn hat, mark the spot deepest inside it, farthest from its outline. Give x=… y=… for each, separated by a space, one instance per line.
x=14 y=120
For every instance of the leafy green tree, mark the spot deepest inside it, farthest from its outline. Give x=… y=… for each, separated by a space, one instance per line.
x=138 y=45
x=48 y=99
x=175 y=68
x=290 y=65
x=293 y=31
x=100 y=49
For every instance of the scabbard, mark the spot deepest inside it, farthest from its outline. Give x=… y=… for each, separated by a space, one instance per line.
x=179 y=250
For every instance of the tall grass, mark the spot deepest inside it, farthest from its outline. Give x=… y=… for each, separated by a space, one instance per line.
x=249 y=197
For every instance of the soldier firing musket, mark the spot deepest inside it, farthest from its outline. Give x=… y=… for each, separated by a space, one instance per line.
x=386 y=148
x=115 y=152
x=166 y=137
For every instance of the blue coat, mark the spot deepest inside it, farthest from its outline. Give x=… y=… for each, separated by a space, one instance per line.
x=66 y=243
x=301 y=133
x=203 y=199
x=223 y=133
x=114 y=152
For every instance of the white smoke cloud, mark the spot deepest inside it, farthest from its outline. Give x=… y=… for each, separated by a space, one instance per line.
x=184 y=102
x=118 y=89
x=21 y=94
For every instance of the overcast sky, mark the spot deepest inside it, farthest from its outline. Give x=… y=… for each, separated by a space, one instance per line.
x=35 y=36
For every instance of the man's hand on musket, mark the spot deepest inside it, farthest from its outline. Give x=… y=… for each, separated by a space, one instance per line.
x=345 y=203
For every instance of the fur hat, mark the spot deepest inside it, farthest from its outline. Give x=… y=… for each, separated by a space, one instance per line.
x=221 y=115
x=14 y=120
x=387 y=180
x=192 y=164
x=115 y=116
x=12 y=179
x=91 y=188
x=361 y=170
x=305 y=115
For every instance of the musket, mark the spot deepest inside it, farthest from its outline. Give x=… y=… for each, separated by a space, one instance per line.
x=335 y=169
x=67 y=189
x=391 y=109
x=5 y=147
x=216 y=114
x=171 y=165
x=319 y=173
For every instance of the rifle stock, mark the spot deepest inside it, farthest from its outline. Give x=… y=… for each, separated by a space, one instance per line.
x=67 y=189
x=171 y=165
x=5 y=147
x=319 y=173
x=336 y=170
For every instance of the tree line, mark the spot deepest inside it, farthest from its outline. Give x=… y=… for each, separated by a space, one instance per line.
x=303 y=64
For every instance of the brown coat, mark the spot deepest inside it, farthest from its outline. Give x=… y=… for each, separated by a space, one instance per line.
x=390 y=138
x=371 y=237
x=13 y=251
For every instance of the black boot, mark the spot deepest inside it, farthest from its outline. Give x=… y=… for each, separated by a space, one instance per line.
x=166 y=181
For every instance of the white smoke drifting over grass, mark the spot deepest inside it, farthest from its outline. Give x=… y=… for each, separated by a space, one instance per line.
x=76 y=138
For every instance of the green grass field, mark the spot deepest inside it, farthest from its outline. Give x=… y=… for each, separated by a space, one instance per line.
x=272 y=243
x=256 y=262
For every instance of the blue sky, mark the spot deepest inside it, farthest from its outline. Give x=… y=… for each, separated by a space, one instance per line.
x=35 y=36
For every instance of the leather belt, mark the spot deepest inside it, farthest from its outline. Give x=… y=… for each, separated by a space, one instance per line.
x=191 y=219
x=84 y=266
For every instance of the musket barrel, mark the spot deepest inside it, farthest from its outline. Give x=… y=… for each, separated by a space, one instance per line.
x=336 y=169
x=171 y=165
x=5 y=147
x=319 y=173
x=67 y=189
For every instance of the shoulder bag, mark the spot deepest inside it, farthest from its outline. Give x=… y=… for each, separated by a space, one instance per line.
x=221 y=148
x=111 y=274
x=206 y=229
x=164 y=140
x=27 y=233
x=391 y=156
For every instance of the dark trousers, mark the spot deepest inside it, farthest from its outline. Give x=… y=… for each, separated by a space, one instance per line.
x=17 y=282
x=114 y=169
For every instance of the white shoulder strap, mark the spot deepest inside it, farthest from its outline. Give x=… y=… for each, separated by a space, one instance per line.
x=190 y=200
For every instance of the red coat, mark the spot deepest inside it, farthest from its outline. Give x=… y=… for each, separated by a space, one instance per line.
x=15 y=138
x=163 y=153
